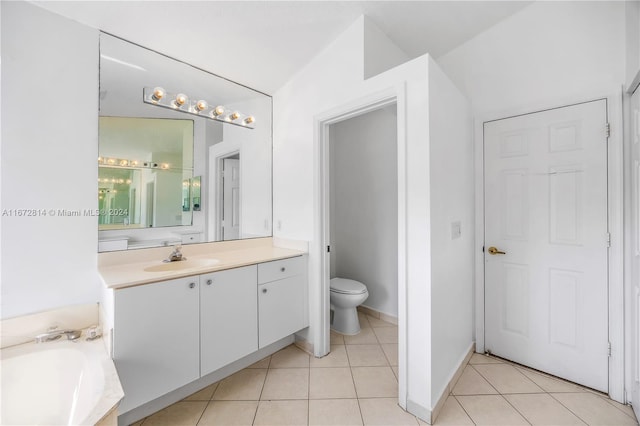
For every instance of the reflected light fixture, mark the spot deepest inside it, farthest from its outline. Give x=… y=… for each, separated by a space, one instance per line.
x=201 y=105
x=180 y=100
x=127 y=164
x=158 y=96
x=158 y=93
x=217 y=111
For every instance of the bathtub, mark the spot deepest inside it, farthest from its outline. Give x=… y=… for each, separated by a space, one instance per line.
x=57 y=383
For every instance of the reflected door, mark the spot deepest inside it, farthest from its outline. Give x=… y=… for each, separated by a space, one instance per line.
x=546 y=241
x=231 y=199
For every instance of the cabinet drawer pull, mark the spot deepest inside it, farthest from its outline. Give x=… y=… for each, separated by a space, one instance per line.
x=264 y=290
x=192 y=285
x=282 y=269
x=209 y=282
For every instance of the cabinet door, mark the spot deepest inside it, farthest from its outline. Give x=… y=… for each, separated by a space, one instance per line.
x=228 y=317
x=156 y=339
x=281 y=308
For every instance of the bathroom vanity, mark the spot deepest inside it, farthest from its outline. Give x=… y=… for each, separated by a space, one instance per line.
x=175 y=325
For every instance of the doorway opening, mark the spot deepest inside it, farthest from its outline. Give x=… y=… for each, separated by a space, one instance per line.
x=363 y=213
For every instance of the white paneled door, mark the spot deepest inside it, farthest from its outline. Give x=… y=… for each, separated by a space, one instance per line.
x=546 y=241
x=231 y=199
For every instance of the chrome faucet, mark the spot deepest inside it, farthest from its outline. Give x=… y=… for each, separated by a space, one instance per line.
x=53 y=334
x=175 y=256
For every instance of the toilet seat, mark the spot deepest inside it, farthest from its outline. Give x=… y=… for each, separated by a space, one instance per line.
x=347 y=286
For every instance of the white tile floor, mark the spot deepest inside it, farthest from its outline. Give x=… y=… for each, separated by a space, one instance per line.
x=356 y=384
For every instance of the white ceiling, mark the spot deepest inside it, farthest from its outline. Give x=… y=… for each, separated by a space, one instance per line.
x=261 y=44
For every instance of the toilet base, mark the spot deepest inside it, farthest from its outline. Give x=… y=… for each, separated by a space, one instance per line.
x=345 y=321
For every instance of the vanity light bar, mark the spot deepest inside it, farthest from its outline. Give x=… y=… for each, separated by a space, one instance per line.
x=181 y=102
x=125 y=163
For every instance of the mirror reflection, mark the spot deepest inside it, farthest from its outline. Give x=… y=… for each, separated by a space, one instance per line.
x=144 y=168
x=184 y=155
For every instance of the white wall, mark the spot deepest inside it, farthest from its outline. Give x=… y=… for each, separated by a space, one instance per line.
x=546 y=52
x=49 y=147
x=364 y=204
x=632 y=27
x=452 y=201
x=632 y=213
x=380 y=53
x=255 y=167
x=330 y=83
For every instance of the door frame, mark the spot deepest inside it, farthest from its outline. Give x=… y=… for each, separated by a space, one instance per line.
x=615 y=209
x=374 y=101
x=217 y=153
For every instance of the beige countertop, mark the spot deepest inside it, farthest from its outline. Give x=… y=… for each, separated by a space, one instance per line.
x=127 y=268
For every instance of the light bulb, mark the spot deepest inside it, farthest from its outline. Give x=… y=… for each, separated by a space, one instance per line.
x=134 y=163
x=250 y=119
x=180 y=100
x=164 y=166
x=201 y=105
x=99 y=159
x=158 y=93
x=124 y=162
x=129 y=181
x=234 y=116
x=111 y=161
x=219 y=110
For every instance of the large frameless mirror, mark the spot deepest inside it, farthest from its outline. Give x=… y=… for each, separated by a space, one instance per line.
x=184 y=155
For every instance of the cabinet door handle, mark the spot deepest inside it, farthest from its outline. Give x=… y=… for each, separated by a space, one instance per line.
x=264 y=290
x=209 y=282
x=192 y=285
x=282 y=269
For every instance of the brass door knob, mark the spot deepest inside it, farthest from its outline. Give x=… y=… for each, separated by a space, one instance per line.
x=493 y=250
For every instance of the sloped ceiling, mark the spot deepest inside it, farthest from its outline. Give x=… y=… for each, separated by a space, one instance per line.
x=261 y=44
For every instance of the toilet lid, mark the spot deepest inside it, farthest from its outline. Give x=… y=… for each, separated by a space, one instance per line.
x=346 y=286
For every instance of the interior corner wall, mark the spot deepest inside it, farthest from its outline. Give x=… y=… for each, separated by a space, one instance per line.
x=452 y=201
x=49 y=147
x=380 y=53
x=331 y=81
x=364 y=220
x=547 y=52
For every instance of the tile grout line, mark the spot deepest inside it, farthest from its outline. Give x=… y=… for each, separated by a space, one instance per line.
x=485 y=379
x=255 y=415
x=517 y=411
x=502 y=395
x=355 y=389
x=569 y=409
x=203 y=411
x=309 y=388
x=463 y=409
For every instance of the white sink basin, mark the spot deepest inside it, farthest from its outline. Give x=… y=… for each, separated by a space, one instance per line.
x=183 y=264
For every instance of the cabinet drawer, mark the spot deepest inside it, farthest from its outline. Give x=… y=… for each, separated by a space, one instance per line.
x=279 y=269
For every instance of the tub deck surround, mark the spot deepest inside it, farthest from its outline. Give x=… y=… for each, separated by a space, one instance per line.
x=127 y=268
x=59 y=382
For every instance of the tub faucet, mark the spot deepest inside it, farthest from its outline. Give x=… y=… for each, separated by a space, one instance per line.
x=53 y=334
x=175 y=256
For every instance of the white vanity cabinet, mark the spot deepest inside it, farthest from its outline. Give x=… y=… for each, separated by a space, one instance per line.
x=282 y=299
x=156 y=340
x=228 y=317
x=168 y=334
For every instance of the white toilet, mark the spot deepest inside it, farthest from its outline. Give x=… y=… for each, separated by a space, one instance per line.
x=345 y=296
